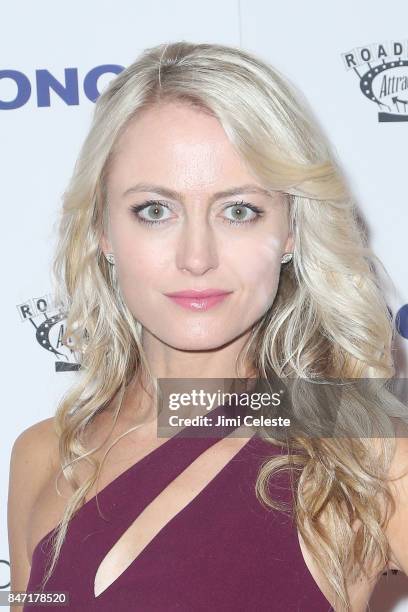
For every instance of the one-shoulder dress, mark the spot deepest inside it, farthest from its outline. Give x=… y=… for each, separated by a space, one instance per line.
x=223 y=551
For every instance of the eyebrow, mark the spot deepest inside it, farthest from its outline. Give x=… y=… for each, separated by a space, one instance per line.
x=169 y=193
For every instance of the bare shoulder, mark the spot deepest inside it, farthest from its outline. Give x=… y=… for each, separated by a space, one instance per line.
x=34 y=454
x=36 y=433
x=33 y=459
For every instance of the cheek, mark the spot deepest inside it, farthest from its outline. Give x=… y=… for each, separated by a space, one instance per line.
x=139 y=254
x=141 y=270
x=260 y=272
x=140 y=265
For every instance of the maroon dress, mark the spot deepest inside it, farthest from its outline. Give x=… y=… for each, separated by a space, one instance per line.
x=222 y=552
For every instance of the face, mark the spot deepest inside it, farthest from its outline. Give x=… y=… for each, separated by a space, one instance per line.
x=192 y=236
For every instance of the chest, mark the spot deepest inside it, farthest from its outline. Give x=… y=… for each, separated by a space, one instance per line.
x=174 y=499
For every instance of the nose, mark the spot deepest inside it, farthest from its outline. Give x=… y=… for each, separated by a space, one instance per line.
x=197 y=248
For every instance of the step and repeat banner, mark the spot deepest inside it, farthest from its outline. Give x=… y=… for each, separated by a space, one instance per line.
x=350 y=60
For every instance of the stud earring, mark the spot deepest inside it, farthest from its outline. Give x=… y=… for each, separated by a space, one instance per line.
x=110 y=258
x=286 y=257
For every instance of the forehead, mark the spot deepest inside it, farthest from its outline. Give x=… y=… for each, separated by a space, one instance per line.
x=178 y=143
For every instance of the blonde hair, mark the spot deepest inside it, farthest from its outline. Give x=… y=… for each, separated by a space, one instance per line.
x=329 y=318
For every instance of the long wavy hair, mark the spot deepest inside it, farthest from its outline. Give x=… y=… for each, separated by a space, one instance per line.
x=329 y=318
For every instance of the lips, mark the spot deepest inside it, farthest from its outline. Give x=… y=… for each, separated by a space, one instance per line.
x=194 y=294
x=197 y=301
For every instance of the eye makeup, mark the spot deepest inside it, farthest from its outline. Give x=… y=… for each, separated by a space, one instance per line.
x=241 y=205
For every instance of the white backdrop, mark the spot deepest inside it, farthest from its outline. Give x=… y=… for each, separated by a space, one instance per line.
x=56 y=57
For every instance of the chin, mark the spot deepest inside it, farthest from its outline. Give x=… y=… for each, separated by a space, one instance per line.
x=195 y=345
x=185 y=342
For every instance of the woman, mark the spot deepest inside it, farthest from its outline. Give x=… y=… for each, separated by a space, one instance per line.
x=204 y=170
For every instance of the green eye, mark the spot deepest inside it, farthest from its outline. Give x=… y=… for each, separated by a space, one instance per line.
x=154 y=206
x=240 y=208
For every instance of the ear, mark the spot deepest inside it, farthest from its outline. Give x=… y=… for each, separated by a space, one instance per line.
x=289 y=244
x=105 y=244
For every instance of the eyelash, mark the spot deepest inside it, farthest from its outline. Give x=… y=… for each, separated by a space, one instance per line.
x=136 y=209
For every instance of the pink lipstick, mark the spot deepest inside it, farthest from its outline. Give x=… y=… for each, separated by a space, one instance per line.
x=198 y=300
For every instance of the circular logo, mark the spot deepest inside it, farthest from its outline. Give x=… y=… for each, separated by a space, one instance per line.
x=401 y=321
